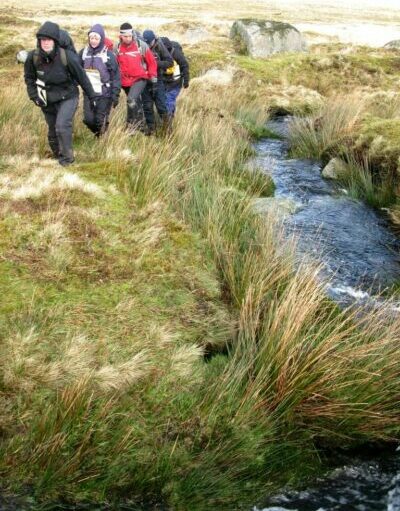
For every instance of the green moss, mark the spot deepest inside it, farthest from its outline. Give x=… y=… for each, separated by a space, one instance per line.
x=328 y=72
x=380 y=139
x=268 y=27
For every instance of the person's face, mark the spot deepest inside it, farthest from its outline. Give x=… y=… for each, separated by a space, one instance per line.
x=94 y=40
x=126 y=39
x=47 y=45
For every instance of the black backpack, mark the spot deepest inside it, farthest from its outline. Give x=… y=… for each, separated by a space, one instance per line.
x=66 y=41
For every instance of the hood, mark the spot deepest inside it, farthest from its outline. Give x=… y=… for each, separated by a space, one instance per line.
x=50 y=30
x=99 y=30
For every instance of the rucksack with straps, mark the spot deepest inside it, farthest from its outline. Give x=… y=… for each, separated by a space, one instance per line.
x=63 y=57
x=174 y=72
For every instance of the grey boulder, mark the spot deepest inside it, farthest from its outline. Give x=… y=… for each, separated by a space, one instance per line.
x=393 y=44
x=261 y=38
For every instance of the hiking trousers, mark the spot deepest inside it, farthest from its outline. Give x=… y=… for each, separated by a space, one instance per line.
x=59 y=118
x=171 y=95
x=159 y=101
x=97 y=120
x=134 y=118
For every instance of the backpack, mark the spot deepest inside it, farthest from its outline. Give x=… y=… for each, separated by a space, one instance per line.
x=66 y=41
x=174 y=71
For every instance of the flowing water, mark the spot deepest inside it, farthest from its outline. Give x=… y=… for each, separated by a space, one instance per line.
x=359 y=257
x=358 y=252
x=372 y=485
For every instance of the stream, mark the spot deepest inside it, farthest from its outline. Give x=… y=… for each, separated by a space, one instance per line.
x=354 y=244
x=359 y=257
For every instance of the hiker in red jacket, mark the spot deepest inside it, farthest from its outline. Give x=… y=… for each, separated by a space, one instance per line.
x=137 y=67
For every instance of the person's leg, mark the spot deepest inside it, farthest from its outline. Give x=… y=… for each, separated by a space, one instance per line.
x=171 y=97
x=89 y=115
x=128 y=112
x=64 y=125
x=148 y=108
x=135 y=107
x=103 y=110
x=50 y=114
x=160 y=100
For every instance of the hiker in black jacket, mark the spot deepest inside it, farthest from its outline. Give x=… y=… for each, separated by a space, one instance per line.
x=154 y=93
x=51 y=76
x=175 y=77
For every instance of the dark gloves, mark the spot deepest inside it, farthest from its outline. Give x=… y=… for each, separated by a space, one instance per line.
x=39 y=102
x=186 y=85
x=115 y=102
x=93 y=103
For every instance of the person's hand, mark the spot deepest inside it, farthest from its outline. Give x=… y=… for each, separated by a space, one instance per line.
x=39 y=102
x=93 y=103
x=186 y=85
x=115 y=102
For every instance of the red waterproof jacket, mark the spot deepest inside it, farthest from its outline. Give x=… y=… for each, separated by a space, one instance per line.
x=134 y=65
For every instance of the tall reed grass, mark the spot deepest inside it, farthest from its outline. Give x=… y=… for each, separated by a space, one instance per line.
x=326 y=128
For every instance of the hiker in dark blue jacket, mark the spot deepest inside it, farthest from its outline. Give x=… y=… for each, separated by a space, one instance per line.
x=154 y=94
x=176 y=76
x=102 y=70
x=51 y=76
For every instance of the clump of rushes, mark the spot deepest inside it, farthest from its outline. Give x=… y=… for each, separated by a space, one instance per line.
x=363 y=183
x=105 y=390
x=327 y=128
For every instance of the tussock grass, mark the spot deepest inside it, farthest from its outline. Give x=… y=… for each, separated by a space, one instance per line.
x=364 y=131
x=363 y=183
x=328 y=128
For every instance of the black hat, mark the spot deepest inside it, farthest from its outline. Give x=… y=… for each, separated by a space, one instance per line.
x=149 y=36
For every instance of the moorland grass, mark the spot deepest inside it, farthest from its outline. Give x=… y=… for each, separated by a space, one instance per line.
x=158 y=340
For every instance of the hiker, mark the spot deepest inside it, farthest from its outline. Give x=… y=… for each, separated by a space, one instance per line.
x=176 y=76
x=51 y=77
x=155 y=95
x=138 y=67
x=102 y=70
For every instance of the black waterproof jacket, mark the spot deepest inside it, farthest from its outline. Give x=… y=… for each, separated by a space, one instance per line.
x=177 y=54
x=163 y=58
x=60 y=81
